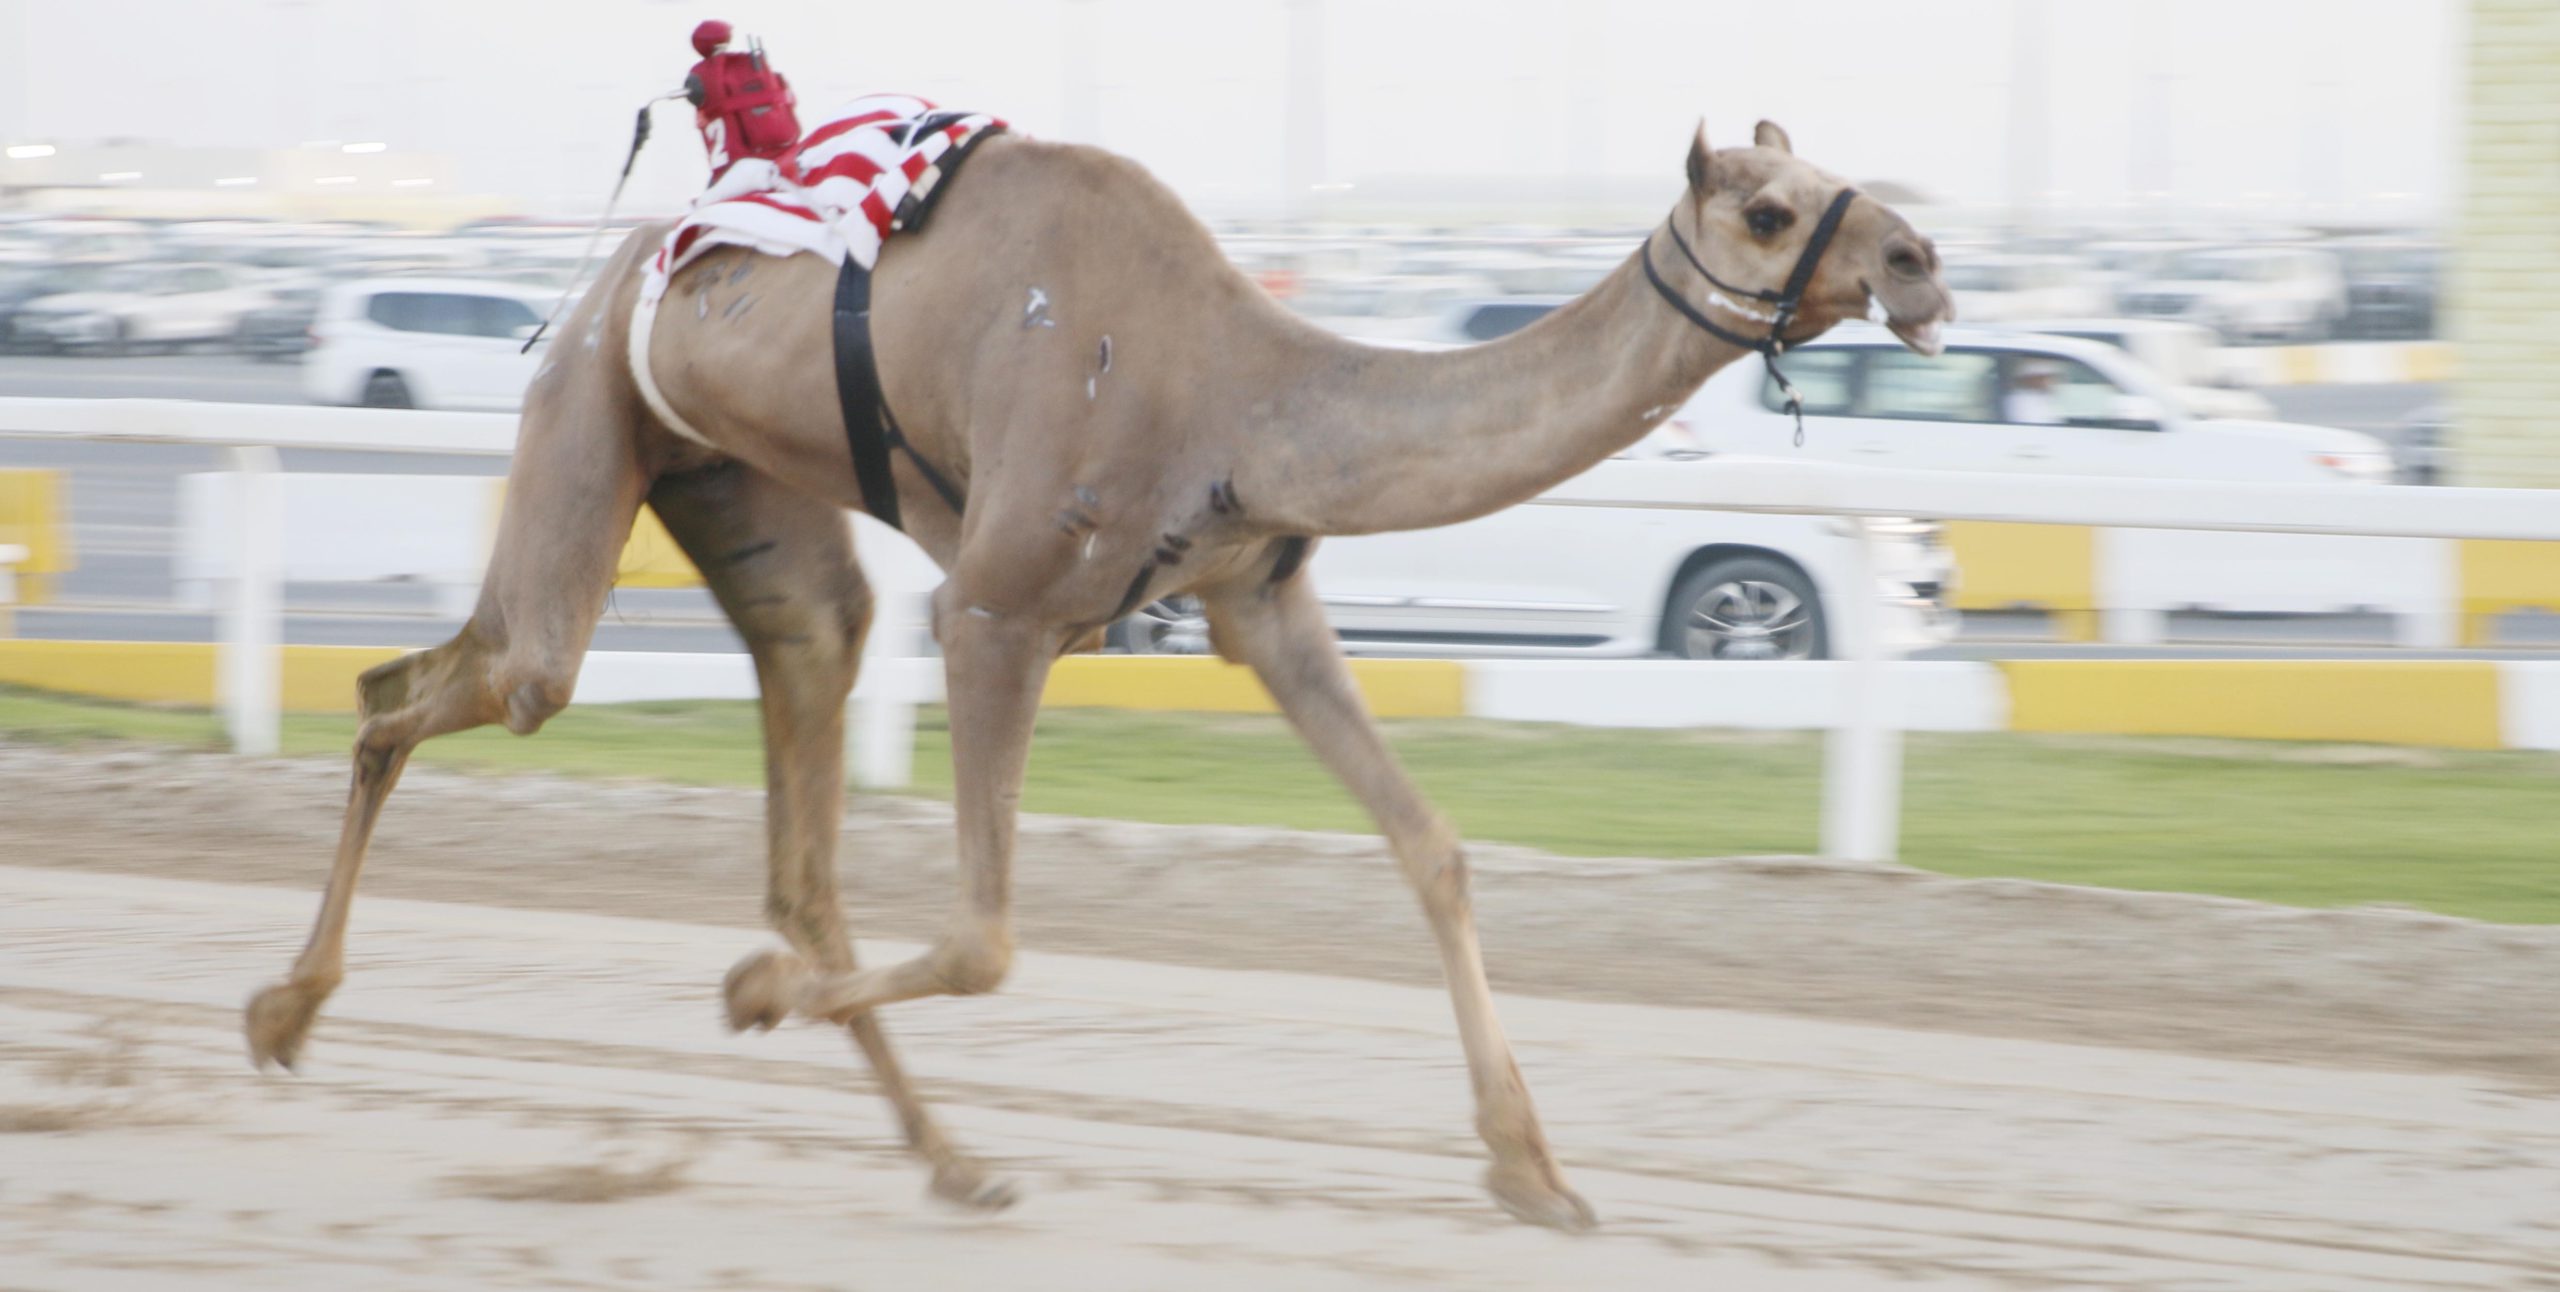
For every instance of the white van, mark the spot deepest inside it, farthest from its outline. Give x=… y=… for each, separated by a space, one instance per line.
x=423 y=343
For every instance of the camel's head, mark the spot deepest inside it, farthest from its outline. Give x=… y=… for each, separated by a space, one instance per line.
x=1749 y=215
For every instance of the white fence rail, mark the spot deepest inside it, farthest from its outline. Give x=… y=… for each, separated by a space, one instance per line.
x=1862 y=770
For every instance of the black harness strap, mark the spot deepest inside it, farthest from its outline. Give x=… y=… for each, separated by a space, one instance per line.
x=869 y=427
x=1786 y=301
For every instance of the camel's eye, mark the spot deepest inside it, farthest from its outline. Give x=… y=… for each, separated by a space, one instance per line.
x=1766 y=221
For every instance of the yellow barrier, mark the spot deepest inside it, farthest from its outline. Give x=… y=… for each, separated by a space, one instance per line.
x=322 y=679
x=2420 y=702
x=2444 y=703
x=2299 y=365
x=1396 y=688
x=317 y=679
x=2429 y=363
x=2053 y=568
x=2499 y=576
x=31 y=517
x=652 y=560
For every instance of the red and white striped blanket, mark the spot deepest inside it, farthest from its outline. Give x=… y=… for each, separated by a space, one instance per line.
x=836 y=197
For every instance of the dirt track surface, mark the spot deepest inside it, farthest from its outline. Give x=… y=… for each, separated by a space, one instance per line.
x=540 y=1097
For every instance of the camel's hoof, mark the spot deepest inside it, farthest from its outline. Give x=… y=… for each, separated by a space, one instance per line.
x=1540 y=1198
x=279 y=1019
x=761 y=988
x=967 y=1184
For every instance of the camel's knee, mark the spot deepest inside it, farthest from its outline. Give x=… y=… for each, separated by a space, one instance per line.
x=973 y=963
x=533 y=701
x=528 y=689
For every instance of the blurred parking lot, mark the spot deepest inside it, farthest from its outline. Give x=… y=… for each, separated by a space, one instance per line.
x=122 y=514
x=271 y=311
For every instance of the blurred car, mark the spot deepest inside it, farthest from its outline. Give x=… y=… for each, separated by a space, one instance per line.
x=22 y=284
x=2392 y=286
x=142 y=305
x=423 y=343
x=1996 y=288
x=2182 y=353
x=2115 y=265
x=2098 y=412
x=282 y=330
x=83 y=240
x=2248 y=293
x=1551 y=579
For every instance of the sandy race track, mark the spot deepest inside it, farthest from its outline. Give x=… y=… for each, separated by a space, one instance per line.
x=1219 y=1064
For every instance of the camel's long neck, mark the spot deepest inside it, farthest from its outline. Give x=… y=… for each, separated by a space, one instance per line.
x=1410 y=439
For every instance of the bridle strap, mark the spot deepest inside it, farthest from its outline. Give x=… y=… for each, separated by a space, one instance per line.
x=1823 y=229
x=1691 y=312
x=1764 y=296
x=1787 y=300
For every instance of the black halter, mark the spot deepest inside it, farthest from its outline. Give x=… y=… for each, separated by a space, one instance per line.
x=1784 y=302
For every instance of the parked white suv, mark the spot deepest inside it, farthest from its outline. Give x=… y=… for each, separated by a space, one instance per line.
x=1544 y=579
x=423 y=343
x=2003 y=401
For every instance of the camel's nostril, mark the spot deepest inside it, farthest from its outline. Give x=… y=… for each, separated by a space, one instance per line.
x=1905 y=263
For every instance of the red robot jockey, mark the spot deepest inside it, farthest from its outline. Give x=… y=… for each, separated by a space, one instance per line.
x=743 y=106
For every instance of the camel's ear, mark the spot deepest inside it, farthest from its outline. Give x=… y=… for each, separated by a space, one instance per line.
x=1702 y=161
x=1768 y=135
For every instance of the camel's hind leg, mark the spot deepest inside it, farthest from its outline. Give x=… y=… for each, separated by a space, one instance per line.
x=1280 y=631
x=782 y=565
x=574 y=488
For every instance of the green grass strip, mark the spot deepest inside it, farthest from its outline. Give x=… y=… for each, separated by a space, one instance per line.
x=2470 y=834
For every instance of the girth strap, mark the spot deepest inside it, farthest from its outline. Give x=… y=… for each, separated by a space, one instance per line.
x=870 y=429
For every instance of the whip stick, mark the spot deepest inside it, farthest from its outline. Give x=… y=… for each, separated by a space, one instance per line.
x=639 y=136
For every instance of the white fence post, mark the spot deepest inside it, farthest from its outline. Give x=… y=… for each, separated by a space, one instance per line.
x=1862 y=759
x=11 y=557
x=249 y=674
x=883 y=730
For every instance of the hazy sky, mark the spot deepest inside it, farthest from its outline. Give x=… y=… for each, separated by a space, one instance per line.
x=2209 y=101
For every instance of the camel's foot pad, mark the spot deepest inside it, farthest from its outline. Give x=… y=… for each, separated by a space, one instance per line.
x=279 y=1020
x=762 y=990
x=964 y=1183
x=1537 y=1194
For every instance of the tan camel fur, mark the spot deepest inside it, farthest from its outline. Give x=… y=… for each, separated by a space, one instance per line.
x=1130 y=418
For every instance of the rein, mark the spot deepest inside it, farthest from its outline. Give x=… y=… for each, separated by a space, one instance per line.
x=1785 y=301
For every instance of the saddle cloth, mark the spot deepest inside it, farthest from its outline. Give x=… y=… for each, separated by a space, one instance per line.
x=838 y=195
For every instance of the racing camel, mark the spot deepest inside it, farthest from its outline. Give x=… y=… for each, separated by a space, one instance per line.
x=1122 y=415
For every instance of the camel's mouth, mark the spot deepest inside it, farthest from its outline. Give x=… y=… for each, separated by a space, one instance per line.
x=1926 y=334
x=1926 y=339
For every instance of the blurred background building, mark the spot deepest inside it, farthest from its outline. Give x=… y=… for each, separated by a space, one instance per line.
x=2506 y=280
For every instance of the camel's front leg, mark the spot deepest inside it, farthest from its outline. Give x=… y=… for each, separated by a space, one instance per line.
x=996 y=665
x=575 y=484
x=1280 y=631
